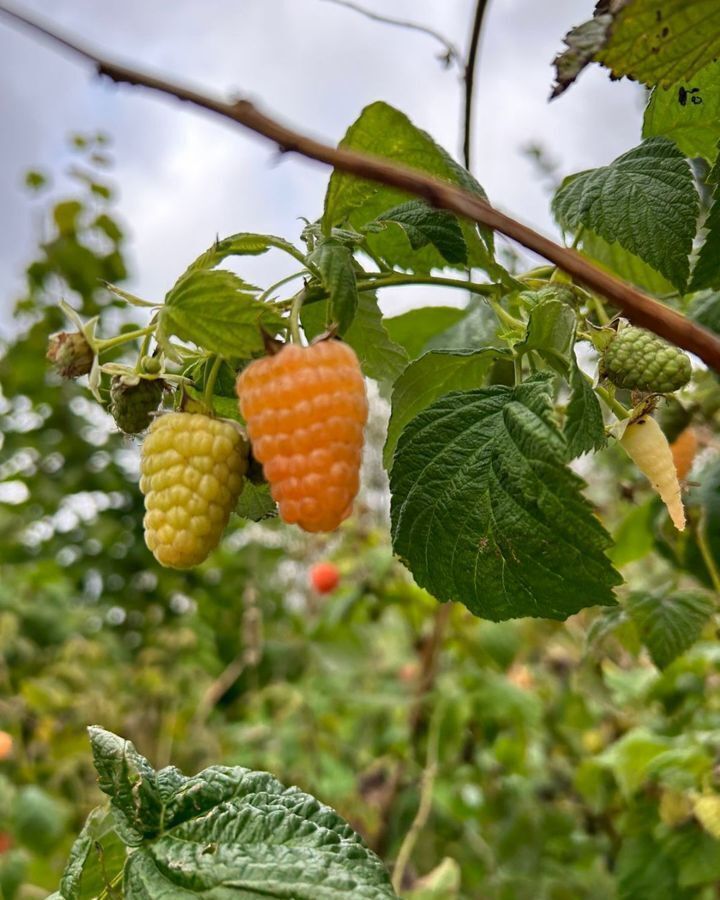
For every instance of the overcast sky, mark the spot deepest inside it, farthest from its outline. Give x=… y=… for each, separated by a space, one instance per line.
x=185 y=176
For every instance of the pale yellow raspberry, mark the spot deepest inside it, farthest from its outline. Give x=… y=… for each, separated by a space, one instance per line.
x=193 y=471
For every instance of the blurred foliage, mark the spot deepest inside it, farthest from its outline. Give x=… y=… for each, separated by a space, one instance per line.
x=568 y=766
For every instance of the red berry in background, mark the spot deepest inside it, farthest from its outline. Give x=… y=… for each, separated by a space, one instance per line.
x=306 y=409
x=324 y=577
x=6 y=745
x=6 y=841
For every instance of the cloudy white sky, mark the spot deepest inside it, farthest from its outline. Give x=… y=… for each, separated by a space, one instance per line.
x=184 y=176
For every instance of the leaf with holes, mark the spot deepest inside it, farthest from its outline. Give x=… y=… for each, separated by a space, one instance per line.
x=669 y=623
x=485 y=511
x=645 y=200
x=688 y=113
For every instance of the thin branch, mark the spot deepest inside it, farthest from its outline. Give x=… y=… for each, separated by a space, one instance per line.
x=451 y=53
x=636 y=306
x=469 y=78
x=427 y=784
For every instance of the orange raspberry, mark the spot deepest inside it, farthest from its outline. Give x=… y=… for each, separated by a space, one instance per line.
x=193 y=469
x=684 y=448
x=305 y=410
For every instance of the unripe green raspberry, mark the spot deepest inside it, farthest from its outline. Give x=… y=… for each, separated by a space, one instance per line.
x=193 y=469
x=639 y=360
x=133 y=400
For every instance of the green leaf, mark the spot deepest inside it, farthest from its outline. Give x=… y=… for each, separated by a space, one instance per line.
x=629 y=758
x=476 y=330
x=229 y=832
x=705 y=310
x=551 y=333
x=219 y=312
x=627 y=266
x=384 y=131
x=645 y=200
x=584 y=427
x=634 y=537
x=696 y=855
x=242 y=244
x=661 y=42
x=435 y=374
x=484 y=510
x=669 y=623
x=688 y=113
x=644 y=872
x=97 y=856
x=706 y=273
x=413 y=329
x=380 y=357
x=255 y=502
x=335 y=265
x=425 y=225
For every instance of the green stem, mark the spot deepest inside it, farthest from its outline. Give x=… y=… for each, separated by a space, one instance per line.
x=273 y=287
x=210 y=382
x=288 y=248
x=143 y=351
x=505 y=317
x=295 y=318
x=603 y=317
x=101 y=346
x=701 y=537
x=620 y=411
x=397 y=279
x=540 y=272
x=517 y=368
x=383 y=266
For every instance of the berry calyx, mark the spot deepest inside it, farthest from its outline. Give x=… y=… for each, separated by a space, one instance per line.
x=133 y=400
x=638 y=360
x=324 y=577
x=193 y=469
x=306 y=409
